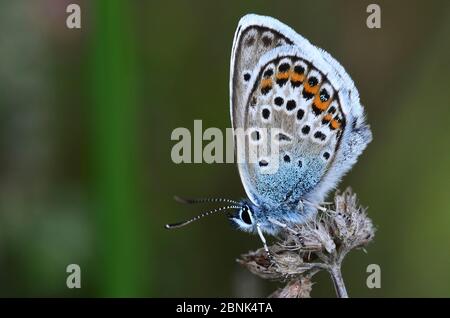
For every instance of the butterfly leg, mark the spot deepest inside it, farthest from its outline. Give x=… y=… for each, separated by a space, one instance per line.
x=263 y=239
x=302 y=203
x=284 y=226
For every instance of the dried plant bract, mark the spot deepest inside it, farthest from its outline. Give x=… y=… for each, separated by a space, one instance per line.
x=320 y=244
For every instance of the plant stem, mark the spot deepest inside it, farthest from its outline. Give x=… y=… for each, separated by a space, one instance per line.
x=114 y=151
x=338 y=281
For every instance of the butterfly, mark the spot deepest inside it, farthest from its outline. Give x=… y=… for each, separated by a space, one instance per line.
x=280 y=82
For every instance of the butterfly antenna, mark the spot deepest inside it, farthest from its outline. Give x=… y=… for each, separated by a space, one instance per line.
x=181 y=224
x=203 y=200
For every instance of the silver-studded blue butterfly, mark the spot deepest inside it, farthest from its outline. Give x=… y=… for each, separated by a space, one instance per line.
x=278 y=80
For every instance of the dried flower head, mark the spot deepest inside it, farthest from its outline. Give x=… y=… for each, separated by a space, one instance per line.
x=320 y=244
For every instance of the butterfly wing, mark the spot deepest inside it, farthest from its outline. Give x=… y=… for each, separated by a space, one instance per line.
x=279 y=80
x=253 y=38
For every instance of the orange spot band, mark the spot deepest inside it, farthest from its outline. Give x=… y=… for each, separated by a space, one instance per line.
x=284 y=75
x=267 y=82
x=335 y=124
x=296 y=77
x=321 y=105
x=312 y=90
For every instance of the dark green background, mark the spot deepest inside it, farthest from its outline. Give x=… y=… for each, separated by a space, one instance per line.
x=85 y=122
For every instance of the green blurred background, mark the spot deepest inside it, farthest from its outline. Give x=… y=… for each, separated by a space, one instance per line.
x=86 y=116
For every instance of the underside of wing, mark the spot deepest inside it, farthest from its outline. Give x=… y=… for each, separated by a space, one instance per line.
x=279 y=80
x=252 y=40
x=244 y=59
x=294 y=122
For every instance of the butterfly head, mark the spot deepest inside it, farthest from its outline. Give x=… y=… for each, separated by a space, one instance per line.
x=242 y=214
x=244 y=217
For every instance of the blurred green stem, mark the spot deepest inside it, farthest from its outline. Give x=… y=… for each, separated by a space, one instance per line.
x=113 y=83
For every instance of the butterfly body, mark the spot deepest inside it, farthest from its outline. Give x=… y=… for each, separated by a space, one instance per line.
x=268 y=216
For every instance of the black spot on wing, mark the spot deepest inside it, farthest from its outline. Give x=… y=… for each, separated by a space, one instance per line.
x=320 y=135
x=255 y=135
x=307 y=95
x=268 y=73
x=324 y=95
x=283 y=137
x=278 y=101
x=325 y=121
x=265 y=90
x=267 y=40
x=263 y=163
x=250 y=41
x=284 y=67
x=291 y=104
x=317 y=111
x=296 y=83
x=306 y=129
x=313 y=81
x=281 y=81
x=299 y=69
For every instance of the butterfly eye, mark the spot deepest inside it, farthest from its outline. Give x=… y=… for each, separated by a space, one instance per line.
x=245 y=215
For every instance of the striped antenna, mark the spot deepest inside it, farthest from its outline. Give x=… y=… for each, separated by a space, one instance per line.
x=203 y=200
x=181 y=224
